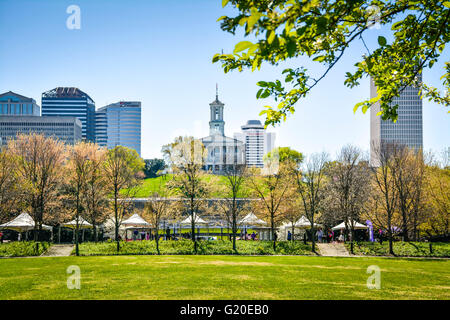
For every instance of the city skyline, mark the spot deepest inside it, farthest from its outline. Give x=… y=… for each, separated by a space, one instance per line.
x=177 y=84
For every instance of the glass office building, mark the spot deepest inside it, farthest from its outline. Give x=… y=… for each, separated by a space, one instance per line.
x=119 y=124
x=65 y=129
x=63 y=101
x=13 y=104
x=407 y=131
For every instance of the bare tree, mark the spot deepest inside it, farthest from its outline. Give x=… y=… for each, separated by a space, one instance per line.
x=408 y=171
x=96 y=195
x=272 y=185
x=232 y=206
x=39 y=166
x=156 y=209
x=186 y=159
x=123 y=170
x=9 y=186
x=310 y=181
x=385 y=191
x=349 y=185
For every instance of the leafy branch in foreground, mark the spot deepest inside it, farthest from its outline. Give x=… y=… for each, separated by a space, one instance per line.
x=323 y=31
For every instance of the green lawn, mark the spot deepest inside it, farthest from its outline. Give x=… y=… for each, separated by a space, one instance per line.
x=223 y=277
x=150 y=185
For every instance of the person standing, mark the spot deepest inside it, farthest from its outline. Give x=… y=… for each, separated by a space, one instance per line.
x=319 y=235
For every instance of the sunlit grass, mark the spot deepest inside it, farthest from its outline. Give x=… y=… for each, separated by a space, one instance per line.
x=223 y=277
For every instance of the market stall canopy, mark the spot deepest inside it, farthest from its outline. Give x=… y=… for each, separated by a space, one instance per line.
x=136 y=221
x=23 y=222
x=251 y=219
x=302 y=223
x=197 y=220
x=356 y=225
x=82 y=224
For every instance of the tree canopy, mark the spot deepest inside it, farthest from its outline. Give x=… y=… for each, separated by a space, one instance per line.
x=323 y=31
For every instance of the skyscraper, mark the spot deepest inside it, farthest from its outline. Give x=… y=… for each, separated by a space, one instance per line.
x=407 y=131
x=257 y=141
x=119 y=124
x=64 y=101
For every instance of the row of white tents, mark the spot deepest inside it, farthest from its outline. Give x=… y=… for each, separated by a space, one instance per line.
x=24 y=222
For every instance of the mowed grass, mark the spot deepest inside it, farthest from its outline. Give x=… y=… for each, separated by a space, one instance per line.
x=223 y=277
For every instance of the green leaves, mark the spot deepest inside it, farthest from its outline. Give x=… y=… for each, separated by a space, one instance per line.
x=224 y=3
x=323 y=31
x=382 y=41
x=241 y=46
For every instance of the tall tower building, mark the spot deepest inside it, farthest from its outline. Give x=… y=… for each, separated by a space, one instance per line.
x=407 y=131
x=257 y=141
x=119 y=124
x=223 y=152
x=63 y=101
x=216 y=123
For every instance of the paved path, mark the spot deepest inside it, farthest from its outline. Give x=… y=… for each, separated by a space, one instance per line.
x=59 y=250
x=333 y=250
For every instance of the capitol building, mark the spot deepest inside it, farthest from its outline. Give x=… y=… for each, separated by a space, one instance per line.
x=222 y=152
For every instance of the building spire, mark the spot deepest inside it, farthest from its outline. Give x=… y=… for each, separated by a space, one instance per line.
x=217 y=92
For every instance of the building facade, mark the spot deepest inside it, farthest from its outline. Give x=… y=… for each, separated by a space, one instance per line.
x=407 y=131
x=222 y=151
x=65 y=129
x=68 y=101
x=119 y=124
x=13 y=104
x=257 y=142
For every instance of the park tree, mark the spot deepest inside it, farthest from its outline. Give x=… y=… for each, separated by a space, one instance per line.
x=272 y=185
x=153 y=167
x=122 y=169
x=158 y=208
x=385 y=194
x=233 y=187
x=39 y=165
x=407 y=168
x=9 y=186
x=287 y=154
x=96 y=193
x=310 y=184
x=186 y=156
x=437 y=201
x=75 y=183
x=348 y=187
x=323 y=31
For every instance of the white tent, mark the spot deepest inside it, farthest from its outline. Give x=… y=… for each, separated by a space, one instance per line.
x=356 y=225
x=23 y=222
x=302 y=223
x=136 y=221
x=82 y=224
x=251 y=219
x=197 y=220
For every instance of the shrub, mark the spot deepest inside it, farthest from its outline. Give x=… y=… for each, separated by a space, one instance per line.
x=22 y=248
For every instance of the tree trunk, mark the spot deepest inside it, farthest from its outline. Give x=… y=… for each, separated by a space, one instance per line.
x=157 y=240
x=117 y=218
x=272 y=225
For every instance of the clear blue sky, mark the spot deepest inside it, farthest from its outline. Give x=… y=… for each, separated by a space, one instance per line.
x=159 y=52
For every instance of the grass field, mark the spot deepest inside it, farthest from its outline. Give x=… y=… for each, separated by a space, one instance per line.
x=223 y=277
